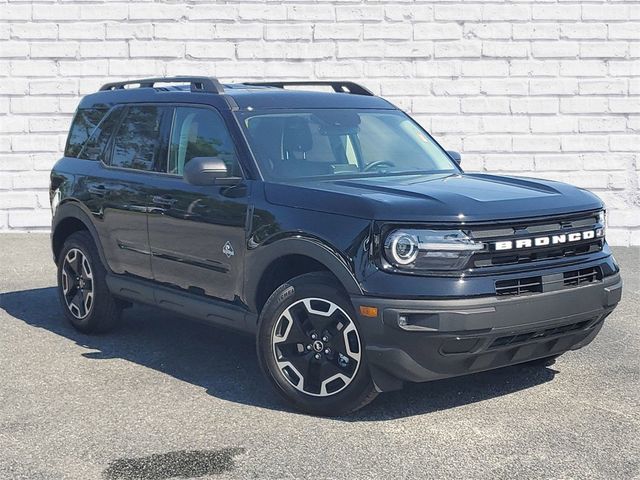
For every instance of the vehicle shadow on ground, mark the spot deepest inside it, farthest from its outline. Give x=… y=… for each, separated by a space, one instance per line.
x=225 y=363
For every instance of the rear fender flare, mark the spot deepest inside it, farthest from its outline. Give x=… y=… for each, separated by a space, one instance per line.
x=73 y=209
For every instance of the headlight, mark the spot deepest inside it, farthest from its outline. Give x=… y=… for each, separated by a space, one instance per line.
x=55 y=201
x=602 y=220
x=439 y=250
x=402 y=248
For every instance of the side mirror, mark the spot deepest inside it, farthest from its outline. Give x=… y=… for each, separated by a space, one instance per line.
x=204 y=170
x=455 y=156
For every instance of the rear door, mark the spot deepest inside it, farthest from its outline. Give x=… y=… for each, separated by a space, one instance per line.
x=123 y=183
x=197 y=233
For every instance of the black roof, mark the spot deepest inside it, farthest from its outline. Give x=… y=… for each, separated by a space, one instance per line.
x=237 y=96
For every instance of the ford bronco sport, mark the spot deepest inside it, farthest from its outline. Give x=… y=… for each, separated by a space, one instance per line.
x=329 y=225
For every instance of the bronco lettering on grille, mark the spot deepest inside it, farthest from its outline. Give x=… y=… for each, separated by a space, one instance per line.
x=557 y=239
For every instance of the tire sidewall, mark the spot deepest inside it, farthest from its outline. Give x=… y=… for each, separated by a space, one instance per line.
x=310 y=286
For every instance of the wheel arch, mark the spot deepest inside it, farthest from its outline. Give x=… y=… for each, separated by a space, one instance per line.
x=70 y=218
x=288 y=258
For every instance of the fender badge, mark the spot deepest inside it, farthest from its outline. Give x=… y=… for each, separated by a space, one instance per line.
x=228 y=250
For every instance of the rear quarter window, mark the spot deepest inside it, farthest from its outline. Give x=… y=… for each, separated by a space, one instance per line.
x=96 y=148
x=84 y=123
x=137 y=142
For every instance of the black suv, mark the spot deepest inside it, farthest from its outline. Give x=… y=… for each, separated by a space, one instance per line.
x=329 y=225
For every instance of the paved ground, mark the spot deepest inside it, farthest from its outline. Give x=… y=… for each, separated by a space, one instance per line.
x=164 y=397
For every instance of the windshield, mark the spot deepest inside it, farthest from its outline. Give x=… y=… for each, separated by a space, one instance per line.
x=295 y=144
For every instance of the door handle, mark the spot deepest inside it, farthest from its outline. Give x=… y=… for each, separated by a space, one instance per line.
x=164 y=200
x=99 y=189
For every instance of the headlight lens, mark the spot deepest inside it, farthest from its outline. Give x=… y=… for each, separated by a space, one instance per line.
x=602 y=220
x=436 y=250
x=55 y=201
x=402 y=248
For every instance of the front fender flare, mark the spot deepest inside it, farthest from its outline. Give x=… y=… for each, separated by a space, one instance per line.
x=313 y=248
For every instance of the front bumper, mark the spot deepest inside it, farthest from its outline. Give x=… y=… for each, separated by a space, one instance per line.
x=421 y=340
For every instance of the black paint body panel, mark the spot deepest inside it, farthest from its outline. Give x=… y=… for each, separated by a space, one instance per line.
x=163 y=240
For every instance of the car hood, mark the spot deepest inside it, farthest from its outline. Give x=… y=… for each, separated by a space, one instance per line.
x=436 y=198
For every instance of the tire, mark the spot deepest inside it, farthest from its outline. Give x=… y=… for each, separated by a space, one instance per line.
x=310 y=348
x=86 y=301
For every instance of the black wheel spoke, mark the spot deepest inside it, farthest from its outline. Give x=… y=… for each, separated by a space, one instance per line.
x=297 y=335
x=85 y=294
x=289 y=350
x=313 y=377
x=71 y=293
x=302 y=319
x=331 y=368
x=77 y=301
x=341 y=358
x=339 y=344
x=341 y=348
x=76 y=264
x=337 y=323
x=71 y=275
x=70 y=266
x=85 y=271
x=300 y=362
x=79 y=266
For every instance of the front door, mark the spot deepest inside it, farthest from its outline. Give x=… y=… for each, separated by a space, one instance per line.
x=197 y=233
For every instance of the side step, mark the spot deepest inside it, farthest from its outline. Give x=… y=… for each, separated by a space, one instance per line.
x=208 y=310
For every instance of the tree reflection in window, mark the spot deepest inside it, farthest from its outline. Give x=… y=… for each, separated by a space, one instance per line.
x=199 y=132
x=96 y=147
x=136 y=143
x=84 y=123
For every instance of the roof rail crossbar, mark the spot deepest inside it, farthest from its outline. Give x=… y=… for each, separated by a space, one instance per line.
x=338 y=86
x=198 y=84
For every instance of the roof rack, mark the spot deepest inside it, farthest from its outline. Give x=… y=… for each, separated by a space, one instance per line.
x=198 y=84
x=338 y=86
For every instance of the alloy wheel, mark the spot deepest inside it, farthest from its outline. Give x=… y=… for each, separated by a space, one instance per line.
x=77 y=283
x=317 y=347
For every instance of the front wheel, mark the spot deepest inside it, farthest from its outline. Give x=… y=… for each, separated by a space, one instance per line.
x=309 y=346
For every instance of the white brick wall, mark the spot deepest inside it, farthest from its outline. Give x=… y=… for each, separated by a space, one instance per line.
x=548 y=89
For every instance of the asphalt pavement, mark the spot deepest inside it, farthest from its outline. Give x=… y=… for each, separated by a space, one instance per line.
x=165 y=397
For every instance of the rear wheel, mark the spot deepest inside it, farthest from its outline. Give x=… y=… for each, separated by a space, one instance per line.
x=310 y=347
x=82 y=288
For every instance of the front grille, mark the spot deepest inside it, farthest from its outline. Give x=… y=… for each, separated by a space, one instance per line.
x=547 y=283
x=533 y=229
x=519 y=286
x=580 y=277
x=537 y=335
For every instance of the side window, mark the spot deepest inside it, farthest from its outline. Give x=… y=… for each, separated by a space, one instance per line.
x=96 y=147
x=84 y=122
x=137 y=141
x=200 y=132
